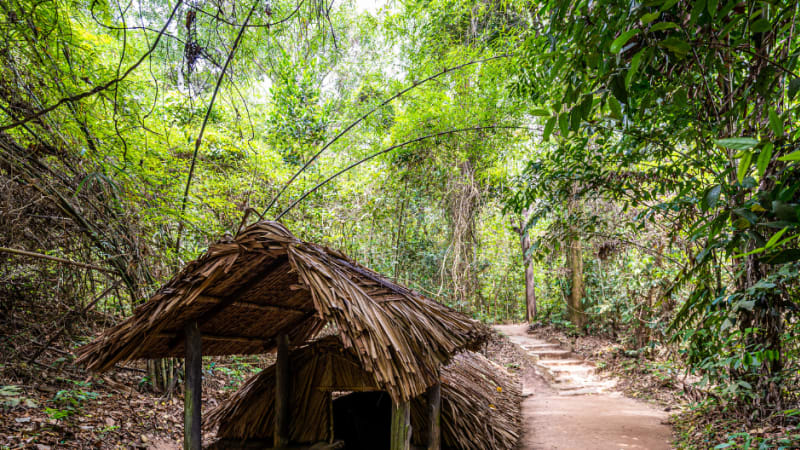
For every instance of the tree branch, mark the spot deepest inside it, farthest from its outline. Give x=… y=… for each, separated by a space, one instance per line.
x=367 y=114
x=97 y=89
x=14 y=251
x=387 y=150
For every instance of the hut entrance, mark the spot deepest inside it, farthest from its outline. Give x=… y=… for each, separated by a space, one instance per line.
x=362 y=420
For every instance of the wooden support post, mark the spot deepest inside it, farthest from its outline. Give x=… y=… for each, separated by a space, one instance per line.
x=193 y=389
x=331 y=430
x=282 y=390
x=401 y=426
x=435 y=416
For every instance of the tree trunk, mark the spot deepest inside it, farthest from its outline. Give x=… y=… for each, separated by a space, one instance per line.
x=463 y=206
x=162 y=374
x=575 y=267
x=767 y=316
x=574 y=260
x=527 y=261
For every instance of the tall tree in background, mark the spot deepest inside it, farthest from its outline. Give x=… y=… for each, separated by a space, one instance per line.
x=528 y=264
x=573 y=256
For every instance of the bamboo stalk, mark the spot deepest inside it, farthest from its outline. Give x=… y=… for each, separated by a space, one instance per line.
x=14 y=251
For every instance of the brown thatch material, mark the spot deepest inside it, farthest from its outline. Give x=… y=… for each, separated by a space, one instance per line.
x=480 y=404
x=480 y=400
x=266 y=282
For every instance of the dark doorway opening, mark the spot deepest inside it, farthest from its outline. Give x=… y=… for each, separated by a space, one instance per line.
x=363 y=420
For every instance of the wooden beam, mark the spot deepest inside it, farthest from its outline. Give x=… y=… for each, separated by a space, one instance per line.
x=244 y=339
x=214 y=337
x=282 y=390
x=434 y=395
x=255 y=306
x=348 y=388
x=193 y=390
x=401 y=426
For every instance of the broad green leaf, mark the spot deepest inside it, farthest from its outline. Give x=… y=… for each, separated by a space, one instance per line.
x=663 y=26
x=563 y=123
x=668 y=4
x=711 y=6
x=540 y=112
x=781 y=257
x=740 y=143
x=647 y=18
x=697 y=8
x=635 y=61
x=774 y=239
x=751 y=252
x=585 y=107
x=676 y=45
x=616 y=108
x=548 y=128
x=745 y=304
x=785 y=211
x=775 y=123
x=790 y=238
x=744 y=165
x=711 y=198
x=623 y=39
x=617 y=87
x=741 y=224
x=575 y=119
x=794 y=86
x=764 y=158
x=760 y=26
x=794 y=156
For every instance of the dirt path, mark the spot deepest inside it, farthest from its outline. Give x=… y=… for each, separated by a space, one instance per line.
x=568 y=406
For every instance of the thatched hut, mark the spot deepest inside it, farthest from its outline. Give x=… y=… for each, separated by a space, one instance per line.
x=479 y=403
x=266 y=289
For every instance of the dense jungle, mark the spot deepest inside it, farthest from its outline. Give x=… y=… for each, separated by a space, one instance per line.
x=620 y=177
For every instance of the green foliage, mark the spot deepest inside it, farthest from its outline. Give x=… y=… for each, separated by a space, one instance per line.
x=68 y=402
x=661 y=137
x=237 y=371
x=651 y=116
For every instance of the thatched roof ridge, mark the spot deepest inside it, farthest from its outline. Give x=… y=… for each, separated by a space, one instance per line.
x=480 y=400
x=246 y=291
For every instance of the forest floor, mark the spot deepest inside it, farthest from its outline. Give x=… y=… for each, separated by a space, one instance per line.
x=58 y=405
x=54 y=404
x=568 y=404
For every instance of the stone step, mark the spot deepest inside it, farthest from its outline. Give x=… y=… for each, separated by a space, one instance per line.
x=540 y=346
x=569 y=387
x=552 y=354
x=582 y=391
x=582 y=370
x=562 y=362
